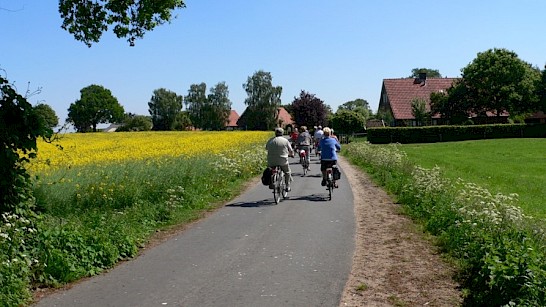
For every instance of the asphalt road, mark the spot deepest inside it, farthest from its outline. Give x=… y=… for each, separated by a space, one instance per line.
x=249 y=253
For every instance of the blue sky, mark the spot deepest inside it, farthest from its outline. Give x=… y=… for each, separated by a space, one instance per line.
x=338 y=50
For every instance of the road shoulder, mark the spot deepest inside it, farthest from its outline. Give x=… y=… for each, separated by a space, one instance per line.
x=393 y=264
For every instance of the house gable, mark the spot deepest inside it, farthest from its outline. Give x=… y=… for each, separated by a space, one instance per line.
x=398 y=94
x=232 y=119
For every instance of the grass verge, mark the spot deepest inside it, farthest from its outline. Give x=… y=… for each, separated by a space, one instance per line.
x=500 y=252
x=502 y=166
x=92 y=216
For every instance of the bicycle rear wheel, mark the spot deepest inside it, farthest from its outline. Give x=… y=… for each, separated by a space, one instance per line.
x=284 y=192
x=276 y=189
x=330 y=183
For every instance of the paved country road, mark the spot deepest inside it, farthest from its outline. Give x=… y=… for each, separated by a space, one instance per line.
x=249 y=253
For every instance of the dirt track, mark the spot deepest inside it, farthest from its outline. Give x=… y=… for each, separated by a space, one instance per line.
x=393 y=264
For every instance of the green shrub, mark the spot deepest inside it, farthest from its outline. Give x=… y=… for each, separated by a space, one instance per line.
x=17 y=233
x=431 y=134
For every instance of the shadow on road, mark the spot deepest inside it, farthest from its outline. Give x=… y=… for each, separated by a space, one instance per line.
x=312 y=197
x=270 y=202
x=253 y=204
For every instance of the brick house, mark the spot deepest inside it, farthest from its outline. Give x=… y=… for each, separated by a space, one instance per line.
x=232 y=120
x=283 y=119
x=397 y=96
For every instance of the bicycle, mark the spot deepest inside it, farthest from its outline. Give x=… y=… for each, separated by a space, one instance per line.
x=304 y=161
x=278 y=184
x=331 y=180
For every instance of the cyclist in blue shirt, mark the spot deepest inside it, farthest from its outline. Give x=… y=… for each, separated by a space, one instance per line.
x=328 y=147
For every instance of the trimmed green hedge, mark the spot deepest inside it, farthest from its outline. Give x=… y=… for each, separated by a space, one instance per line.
x=432 y=134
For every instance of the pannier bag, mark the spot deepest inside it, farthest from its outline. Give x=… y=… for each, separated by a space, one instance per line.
x=266 y=176
x=336 y=172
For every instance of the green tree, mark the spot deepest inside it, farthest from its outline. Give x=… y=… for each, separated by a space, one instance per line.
x=20 y=127
x=346 y=122
x=541 y=92
x=96 y=106
x=419 y=111
x=498 y=81
x=196 y=103
x=219 y=107
x=431 y=73
x=453 y=105
x=133 y=122
x=131 y=19
x=309 y=110
x=182 y=121
x=47 y=114
x=164 y=106
x=358 y=105
x=262 y=102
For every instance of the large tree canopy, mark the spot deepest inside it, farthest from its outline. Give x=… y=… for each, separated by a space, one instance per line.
x=358 y=105
x=219 y=107
x=133 y=122
x=262 y=102
x=541 y=91
x=309 y=110
x=164 y=107
x=208 y=112
x=347 y=122
x=131 y=19
x=451 y=105
x=96 y=106
x=498 y=81
x=196 y=102
x=47 y=114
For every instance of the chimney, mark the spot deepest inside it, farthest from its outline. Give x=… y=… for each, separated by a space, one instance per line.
x=423 y=77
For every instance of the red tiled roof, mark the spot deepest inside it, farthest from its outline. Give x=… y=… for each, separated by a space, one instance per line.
x=233 y=118
x=285 y=117
x=401 y=92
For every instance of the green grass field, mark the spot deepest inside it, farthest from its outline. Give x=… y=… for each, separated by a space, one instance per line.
x=502 y=166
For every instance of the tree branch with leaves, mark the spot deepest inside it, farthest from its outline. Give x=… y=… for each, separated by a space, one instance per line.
x=87 y=20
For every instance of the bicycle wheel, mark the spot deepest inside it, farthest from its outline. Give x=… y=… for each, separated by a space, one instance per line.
x=284 y=193
x=305 y=165
x=276 y=189
x=330 y=183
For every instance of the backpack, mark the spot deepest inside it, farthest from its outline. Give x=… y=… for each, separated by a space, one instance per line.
x=266 y=176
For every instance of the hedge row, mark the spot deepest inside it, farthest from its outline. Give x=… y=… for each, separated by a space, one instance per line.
x=432 y=134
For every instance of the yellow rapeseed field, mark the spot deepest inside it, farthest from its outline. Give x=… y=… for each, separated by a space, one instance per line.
x=104 y=148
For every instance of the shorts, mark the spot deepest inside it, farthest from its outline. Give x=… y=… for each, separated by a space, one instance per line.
x=324 y=164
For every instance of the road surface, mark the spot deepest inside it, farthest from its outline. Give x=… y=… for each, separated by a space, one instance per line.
x=249 y=253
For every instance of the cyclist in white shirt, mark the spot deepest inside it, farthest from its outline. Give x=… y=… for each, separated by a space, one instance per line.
x=278 y=151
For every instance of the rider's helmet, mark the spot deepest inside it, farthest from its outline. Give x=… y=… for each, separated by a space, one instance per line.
x=279 y=131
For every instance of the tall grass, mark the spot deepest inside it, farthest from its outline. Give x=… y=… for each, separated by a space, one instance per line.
x=502 y=166
x=501 y=252
x=94 y=213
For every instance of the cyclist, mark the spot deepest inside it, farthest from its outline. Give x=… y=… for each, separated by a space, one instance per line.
x=278 y=151
x=294 y=137
x=318 y=136
x=328 y=146
x=332 y=135
x=304 y=142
